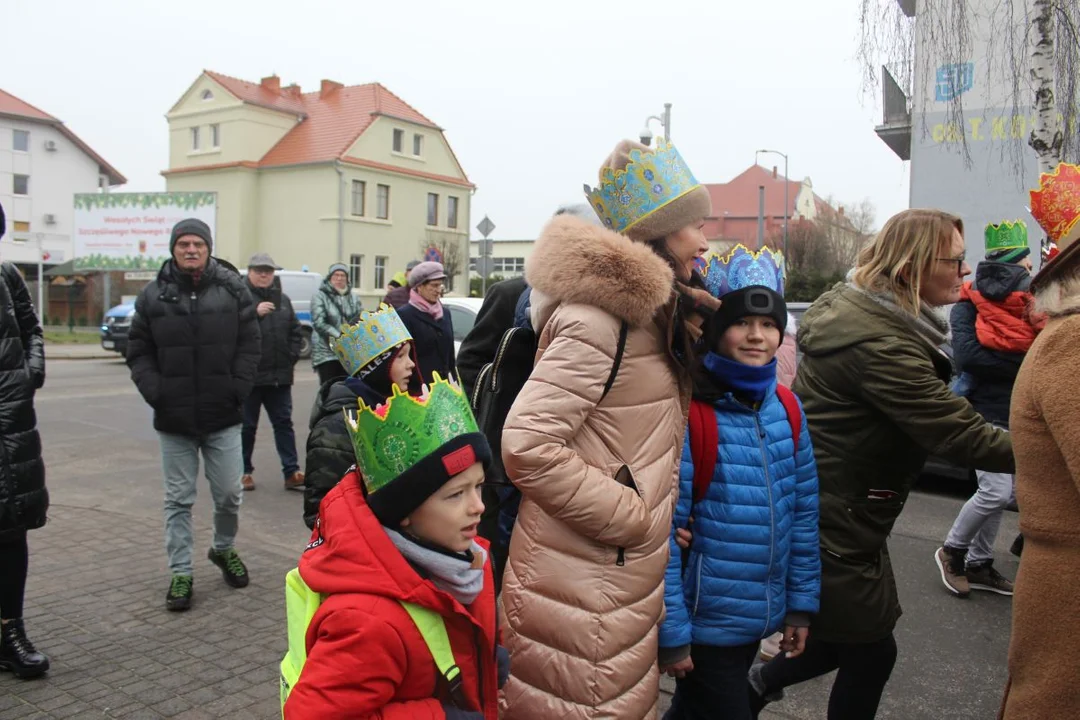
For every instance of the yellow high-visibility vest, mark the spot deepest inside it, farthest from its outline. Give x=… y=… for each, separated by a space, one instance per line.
x=301 y=602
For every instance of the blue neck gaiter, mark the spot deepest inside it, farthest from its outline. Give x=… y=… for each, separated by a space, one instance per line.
x=743 y=380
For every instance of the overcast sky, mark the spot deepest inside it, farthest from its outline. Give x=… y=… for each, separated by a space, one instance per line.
x=532 y=99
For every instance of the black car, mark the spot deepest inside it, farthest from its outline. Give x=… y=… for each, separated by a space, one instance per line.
x=115 y=326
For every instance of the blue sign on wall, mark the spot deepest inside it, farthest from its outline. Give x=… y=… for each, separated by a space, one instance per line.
x=953 y=81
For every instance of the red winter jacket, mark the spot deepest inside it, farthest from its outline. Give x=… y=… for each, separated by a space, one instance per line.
x=366 y=659
x=1008 y=324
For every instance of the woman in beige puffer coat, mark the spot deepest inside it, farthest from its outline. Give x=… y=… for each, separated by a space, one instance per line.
x=583 y=589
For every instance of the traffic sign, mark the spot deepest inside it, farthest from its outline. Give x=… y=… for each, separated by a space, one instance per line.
x=484 y=266
x=486 y=227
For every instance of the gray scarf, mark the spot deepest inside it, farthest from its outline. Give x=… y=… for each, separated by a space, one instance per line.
x=463 y=579
x=930 y=324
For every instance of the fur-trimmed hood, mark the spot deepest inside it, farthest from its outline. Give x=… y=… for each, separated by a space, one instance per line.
x=577 y=262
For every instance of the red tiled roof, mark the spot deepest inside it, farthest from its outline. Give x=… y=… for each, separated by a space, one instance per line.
x=329 y=122
x=14 y=107
x=739 y=196
x=215 y=166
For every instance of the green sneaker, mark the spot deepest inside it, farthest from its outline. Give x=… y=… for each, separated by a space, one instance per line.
x=180 y=593
x=236 y=575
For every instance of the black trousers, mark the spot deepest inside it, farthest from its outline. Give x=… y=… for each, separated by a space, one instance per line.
x=717 y=686
x=864 y=670
x=14 y=561
x=332 y=370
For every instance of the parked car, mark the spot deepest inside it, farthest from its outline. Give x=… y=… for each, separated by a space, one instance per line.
x=115 y=326
x=463 y=312
x=299 y=285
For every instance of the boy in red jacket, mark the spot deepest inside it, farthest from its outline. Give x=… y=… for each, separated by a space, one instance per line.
x=402 y=529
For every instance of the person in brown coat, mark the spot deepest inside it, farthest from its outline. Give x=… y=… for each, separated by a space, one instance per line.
x=583 y=588
x=1045 y=422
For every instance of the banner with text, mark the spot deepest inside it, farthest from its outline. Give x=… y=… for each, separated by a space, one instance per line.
x=130 y=231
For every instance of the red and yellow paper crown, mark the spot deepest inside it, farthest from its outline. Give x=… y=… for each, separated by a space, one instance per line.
x=1056 y=204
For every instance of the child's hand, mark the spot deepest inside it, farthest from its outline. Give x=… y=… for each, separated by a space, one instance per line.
x=683 y=538
x=679 y=669
x=794 y=641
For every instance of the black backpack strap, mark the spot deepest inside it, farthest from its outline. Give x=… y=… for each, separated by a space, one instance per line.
x=624 y=328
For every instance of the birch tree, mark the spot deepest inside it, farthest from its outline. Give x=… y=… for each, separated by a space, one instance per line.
x=1034 y=51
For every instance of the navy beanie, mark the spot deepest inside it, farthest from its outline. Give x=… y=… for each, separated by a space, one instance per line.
x=191 y=226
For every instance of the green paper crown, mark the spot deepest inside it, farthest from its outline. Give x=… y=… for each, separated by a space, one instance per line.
x=374 y=335
x=393 y=437
x=1006 y=236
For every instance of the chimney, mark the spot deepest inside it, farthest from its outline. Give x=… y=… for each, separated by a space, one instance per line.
x=327 y=87
x=271 y=83
x=841 y=211
x=293 y=90
x=774 y=172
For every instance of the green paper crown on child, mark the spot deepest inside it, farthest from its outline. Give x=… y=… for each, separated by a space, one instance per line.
x=393 y=437
x=376 y=334
x=1006 y=236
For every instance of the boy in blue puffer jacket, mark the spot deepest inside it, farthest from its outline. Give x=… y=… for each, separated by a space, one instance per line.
x=753 y=566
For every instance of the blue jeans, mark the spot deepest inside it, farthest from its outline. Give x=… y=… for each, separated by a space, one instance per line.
x=180 y=463
x=278 y=403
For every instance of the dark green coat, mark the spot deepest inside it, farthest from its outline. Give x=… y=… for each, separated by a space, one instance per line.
x=877 y=404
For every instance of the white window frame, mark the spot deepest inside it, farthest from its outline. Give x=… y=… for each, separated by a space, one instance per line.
x=14 y=185
x=195 y=139
x=207 y=95
x=453 y=204
x=418 y=145
x=360 y=185
x=381 y=262
x=433 y=209
x=397 y=144
x=20 y=133
x=356 y=271
x=215 y=135
x=381 y=212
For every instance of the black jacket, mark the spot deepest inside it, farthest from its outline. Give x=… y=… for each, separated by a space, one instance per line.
x=991 y=372
x=434 y=342
x=281 y=336
x=330 y=451
x=23 y=498
x=496 y=316
x=194 y=350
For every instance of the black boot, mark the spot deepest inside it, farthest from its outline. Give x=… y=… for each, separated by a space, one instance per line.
x=17 y=653
x=1018 y=546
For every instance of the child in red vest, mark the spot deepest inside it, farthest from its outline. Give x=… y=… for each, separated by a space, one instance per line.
x=402 y=530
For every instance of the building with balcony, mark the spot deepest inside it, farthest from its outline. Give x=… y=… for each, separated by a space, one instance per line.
x=43 y=164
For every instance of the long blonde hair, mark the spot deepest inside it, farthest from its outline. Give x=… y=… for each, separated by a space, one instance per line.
x=910 y=241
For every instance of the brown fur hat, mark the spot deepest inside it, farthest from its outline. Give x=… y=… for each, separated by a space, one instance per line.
x=693 y=207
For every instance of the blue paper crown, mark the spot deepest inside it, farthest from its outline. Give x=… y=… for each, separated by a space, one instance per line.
x=376 y=334
x=651 y=180
x=742 y=267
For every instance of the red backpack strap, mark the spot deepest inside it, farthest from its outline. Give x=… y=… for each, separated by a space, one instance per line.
x=704 y=446
x=794 y=412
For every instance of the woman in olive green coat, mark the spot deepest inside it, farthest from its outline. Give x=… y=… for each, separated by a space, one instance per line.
x=874 y=385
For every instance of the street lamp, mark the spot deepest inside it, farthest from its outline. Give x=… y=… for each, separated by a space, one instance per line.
x=646 y=134
x=787 y=185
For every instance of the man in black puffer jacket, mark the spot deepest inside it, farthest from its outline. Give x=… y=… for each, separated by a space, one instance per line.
x=281 y=341
x=193 y=350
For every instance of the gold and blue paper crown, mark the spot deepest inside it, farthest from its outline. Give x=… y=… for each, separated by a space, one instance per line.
x=376 y=334
x=742 y=267
x=391 y=438
x=651 y=180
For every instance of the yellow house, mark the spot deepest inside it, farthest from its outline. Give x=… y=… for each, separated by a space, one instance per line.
x=345 y=174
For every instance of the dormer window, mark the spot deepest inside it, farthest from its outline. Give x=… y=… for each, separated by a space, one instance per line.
x=207 y=95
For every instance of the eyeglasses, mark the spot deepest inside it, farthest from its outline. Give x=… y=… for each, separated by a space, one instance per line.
x=959 y=262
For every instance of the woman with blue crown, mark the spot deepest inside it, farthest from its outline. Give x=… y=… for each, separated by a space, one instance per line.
x=593 y=440
x=748 y=482
x=378 y=355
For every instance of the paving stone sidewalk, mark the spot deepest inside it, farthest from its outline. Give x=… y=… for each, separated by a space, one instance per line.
x=96 y=605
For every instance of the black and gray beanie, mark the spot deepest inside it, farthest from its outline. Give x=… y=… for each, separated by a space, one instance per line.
x=191 y=226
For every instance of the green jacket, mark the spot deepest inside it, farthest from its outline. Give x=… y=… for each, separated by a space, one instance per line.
x=877 y=405
x=329 y=311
